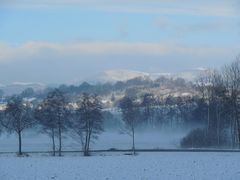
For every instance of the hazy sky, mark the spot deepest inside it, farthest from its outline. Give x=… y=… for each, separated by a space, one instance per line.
x=66 y=41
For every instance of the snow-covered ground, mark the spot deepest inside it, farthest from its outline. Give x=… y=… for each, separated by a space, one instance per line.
x=144 y=166
x=154 y=165
x=33 y=141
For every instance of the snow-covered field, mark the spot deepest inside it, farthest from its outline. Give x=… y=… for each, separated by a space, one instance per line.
x=152 y=166
x=115 y=165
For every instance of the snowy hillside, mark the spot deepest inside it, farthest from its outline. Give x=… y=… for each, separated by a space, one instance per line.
x=124 y=75
x=120 y=75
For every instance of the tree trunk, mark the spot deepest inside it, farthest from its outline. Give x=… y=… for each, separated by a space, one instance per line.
x=218 y=127
x=235 y=133
x=238 y=133
x=237 y=128
x=208 y=125
x=133 y=141
x=85 y=145
x=232 y=130
x=19 y=143
x=86 y=153
x=60 y=141
x=53 y=142
x=89 y=140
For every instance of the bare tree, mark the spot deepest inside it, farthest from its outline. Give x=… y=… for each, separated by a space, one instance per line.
x=148 y=104
x=213 y=91
x=88 y=120
x=219 y=93
x=46 y=118
x=18 y=116
x=232 y=81
x=58 y=108
x=130 y=117
x=204 y=87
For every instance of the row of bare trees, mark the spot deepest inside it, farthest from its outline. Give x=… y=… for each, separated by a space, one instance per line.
x=55 y=115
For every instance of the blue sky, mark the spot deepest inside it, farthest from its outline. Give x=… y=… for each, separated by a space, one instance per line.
x=64 y=41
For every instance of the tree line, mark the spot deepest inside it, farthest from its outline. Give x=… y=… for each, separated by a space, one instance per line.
x=214 y=110
x=219 y=93
x=54 y=115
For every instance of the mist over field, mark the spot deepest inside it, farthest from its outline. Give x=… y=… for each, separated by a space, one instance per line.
x=110 y=139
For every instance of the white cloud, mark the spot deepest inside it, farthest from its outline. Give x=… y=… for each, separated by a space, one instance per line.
x=196 y=11
x=34 y=49
x=63 y=62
